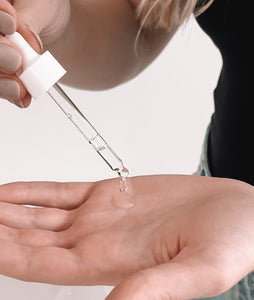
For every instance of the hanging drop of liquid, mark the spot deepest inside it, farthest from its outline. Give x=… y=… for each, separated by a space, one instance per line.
x=125 y=199
x=123 y=185
x=124 y=173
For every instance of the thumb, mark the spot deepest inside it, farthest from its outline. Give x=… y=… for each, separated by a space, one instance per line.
x=11 y=21
x=180 y=279
x=45 y=18
x=29 y=21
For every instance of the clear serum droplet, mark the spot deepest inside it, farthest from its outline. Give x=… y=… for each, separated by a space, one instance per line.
x=124 y=173
x=123 y=185
x=125 y=199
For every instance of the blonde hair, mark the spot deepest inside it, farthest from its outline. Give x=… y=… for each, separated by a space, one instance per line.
x=169 y=14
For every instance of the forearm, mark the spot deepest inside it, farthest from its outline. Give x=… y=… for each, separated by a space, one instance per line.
x=98 y=45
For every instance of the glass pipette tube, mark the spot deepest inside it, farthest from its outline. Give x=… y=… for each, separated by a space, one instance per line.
x=87 y=130
x=40 y=74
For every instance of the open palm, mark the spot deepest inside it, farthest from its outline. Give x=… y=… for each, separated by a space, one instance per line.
x=181 y=230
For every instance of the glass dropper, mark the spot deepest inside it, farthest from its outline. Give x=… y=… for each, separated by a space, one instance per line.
x=87 y=129
x=40 y=74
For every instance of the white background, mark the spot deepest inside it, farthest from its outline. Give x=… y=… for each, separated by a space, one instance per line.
x=155 y=123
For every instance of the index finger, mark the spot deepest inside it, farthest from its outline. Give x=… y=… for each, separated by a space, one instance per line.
x=68 y=195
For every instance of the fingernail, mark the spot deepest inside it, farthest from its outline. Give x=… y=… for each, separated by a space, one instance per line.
x=37 y=37
x=7 y=23
x=10 y=59
x=19 y=104
x=10 y=89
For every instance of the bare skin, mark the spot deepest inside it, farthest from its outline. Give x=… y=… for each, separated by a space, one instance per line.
x=93 y=40
x=181 y=230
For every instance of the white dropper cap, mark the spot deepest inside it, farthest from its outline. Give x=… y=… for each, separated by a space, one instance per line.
x=39 y=72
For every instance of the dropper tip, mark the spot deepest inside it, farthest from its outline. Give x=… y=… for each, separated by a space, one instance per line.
x=123 y=173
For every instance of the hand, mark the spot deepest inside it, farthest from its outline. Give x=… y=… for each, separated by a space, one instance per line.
x=186 y=237
x=35 y=19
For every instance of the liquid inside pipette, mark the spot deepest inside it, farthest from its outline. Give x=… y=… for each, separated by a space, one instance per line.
x=39 y=73
x=91 y=134
x=85 y=128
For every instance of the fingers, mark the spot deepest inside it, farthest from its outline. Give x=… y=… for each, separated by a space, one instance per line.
x=35 y=226
x=161 y=282
x=189 y=277
x=30 y=19
x=38 y=218
x=45 y=17
x=10 y=57
x=52 y=265
x=10 y=21
x=33 y=237
x=11 y=87
x=47 y=194
x=8 y=18
x=7 y=23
